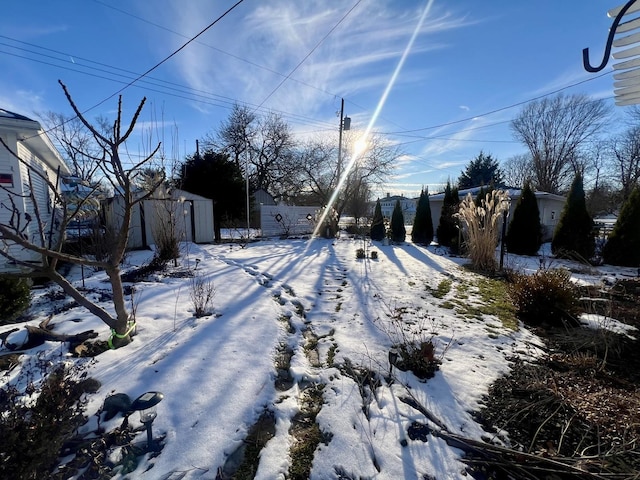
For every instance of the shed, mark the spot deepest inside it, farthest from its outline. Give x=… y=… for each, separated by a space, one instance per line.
x=192 y=214
x=26 y=138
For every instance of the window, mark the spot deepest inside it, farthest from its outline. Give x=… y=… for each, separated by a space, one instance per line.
x=553 y=215
x=6 y=180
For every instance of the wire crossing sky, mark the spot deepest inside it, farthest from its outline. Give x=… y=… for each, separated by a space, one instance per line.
x=469 y=69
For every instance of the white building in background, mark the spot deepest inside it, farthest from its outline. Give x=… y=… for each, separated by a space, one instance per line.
x=40 y=160
x=549 y=205
x=408 y=205
x=191 y=216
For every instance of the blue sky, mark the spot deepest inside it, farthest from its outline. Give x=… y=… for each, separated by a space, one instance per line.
x=468 y=58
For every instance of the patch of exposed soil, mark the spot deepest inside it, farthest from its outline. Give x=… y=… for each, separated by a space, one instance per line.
x=582 y=400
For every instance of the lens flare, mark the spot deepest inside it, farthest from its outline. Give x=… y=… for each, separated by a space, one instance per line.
x=362 y=143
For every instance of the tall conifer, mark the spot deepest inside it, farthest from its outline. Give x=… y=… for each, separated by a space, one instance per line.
x=377 y=223
x=623 y=245
x=447 y=232
x=422 y=231
x=398 y=230
x=574 y=232
x=524 y=235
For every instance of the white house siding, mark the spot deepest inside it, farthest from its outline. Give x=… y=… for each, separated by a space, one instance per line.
x=408 y=206
x=550 y=206
x=36 y=150
x=41 y=192
x=8 y=165
x=20 y=173
x=281 y=220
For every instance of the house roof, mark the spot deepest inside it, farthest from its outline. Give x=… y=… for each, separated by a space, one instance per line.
x=12 y=115
x=514 y=193
x=31 y=134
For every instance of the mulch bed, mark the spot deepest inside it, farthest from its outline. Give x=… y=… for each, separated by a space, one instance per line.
x=581 y=402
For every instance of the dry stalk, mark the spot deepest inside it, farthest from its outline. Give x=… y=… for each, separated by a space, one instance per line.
x=481 y=227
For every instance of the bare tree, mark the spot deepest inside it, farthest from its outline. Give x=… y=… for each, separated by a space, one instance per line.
x=77 y=144
x=625 y=160
x=517 y=170
x=358 y=204
x=264 y=145
x=235 y=135
x=110 y=163
x=323 y=177
x=554 y=130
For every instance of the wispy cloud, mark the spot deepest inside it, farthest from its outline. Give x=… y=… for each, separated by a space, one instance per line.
x=357 y=56
x=25 y=102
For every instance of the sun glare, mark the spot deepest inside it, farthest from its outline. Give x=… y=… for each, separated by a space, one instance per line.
x=360 y=147
x=361 y=144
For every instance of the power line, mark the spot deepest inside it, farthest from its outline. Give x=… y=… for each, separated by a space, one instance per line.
x=502 y=108
x=237 y=57
x=142 y=75
x=227 y=102
x=168 y=57
x=288 y=76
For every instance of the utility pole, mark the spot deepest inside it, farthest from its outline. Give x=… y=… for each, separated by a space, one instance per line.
x=345 y=124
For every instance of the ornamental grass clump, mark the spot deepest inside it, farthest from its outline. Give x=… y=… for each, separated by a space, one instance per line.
x=480 y=227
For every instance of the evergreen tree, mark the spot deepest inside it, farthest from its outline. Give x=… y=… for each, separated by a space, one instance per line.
x=482 y=170
x=447 y=232
x=377 y=224
x=524 y=235
x=574 y=232
x=213 y=175
x=482 y=194
x=398 y=231
x=623 y=245
x=422 y=231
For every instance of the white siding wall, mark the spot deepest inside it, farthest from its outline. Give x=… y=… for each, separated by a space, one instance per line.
x=155 y=210
x=278 y=220
x=20 y=171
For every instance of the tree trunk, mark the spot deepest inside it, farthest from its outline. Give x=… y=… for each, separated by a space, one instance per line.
x=121 y=327
x=70 y=290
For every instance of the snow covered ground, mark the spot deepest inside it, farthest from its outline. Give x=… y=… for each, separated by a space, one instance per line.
x=218 y=373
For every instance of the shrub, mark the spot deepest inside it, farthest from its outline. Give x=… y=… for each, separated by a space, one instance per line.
x=524 y=235
x=15 y=298
x=33 y=432
x=623 y=245
x=547 y=296
x=377 y=223
x=398 y=231
x=574 y=234
x=422 y=231
x=360 y=253
x=414 y=343
x=447 y=231
x=201 y=293
x=374 y=255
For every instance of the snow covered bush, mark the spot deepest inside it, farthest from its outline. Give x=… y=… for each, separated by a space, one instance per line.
x=201 y=294
x=36 y=420
x=414 y=344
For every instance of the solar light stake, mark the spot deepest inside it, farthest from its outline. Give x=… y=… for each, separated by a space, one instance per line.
x=146 y=405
